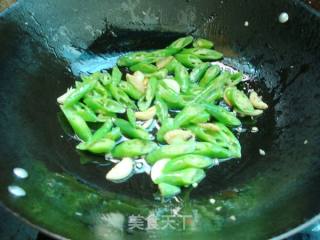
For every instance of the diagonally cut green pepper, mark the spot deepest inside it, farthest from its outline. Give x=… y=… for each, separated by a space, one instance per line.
x=128 y=130
x=133 y=148
x=170 y=151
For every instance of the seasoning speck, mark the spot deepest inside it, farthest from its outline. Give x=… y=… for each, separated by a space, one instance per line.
x=233 y=218
x=283 y=17
x=20 y=173
x=246 y=23
x=262 y=152
x=305 y=142
x=17 y=191
x=212 y=200
x=254 y=129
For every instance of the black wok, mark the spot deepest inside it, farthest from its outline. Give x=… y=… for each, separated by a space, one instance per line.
x=45 y=45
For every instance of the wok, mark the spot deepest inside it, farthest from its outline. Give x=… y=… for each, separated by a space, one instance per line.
x=45 y=45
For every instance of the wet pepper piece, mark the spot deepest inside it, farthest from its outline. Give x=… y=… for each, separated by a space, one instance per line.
x=203 y=43
x=129 y=89
x=188 y=161
x=168 y=190
x=239 y=101
x=128 y=130
x=209 y=75
x=181 y=43
x=133 y=148
x=144 y=67
x=198 y=72
x=214 y=151
x=187 y=114
x=188 y=60
x=170 y=151
x=98 y=135
x=145 y=102
x=135 y=58
x=222 y=115
x=203 y=53
x=183 y=177
x=77 y=123
x=85 y=112
x=79 y=93
x=182 y=77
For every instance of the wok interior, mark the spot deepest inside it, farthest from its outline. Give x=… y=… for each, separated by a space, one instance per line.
x=277 y=191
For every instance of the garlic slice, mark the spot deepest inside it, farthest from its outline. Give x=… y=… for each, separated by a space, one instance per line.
x=146 y=115
x=178 y=135
x=257 y=101
x=137 y=80
x=121 y=171
x=157 y=168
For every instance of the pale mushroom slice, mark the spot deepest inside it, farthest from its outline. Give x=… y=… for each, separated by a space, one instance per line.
x=137 y=79
x=178 y=135
x=257 y=101
x=121 y=171
x=146 y=115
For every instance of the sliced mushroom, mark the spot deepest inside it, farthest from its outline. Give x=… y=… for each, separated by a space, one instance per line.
x=210 y=126
x=137 y=80
x=146 y=115
x=164 y=62
x=172 y=84
x=257 y=101
x=121 y=171
x=178 y=135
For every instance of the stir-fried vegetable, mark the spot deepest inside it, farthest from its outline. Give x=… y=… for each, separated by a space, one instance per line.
x=167 y=108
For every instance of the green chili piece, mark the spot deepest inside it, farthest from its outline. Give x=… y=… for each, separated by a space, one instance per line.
x=170 y=151
x=168 y=190
x=183 y=177
x=222 y=115
x=133 y=148
x=131 y=117
x=144 y=67
x=198 y=72
x=129 y=89
x=181 y=42
x=85 y=112
x=161 y=110
x=128 y=130
x=203 y=53
x=78 y=125
x=79 y=93
x=114 y=134
x=188 y=60
x=188 y=161
x=185 y=116
x=98 y=135
x=182 y=77
x=203 y=43
x=209 y=75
